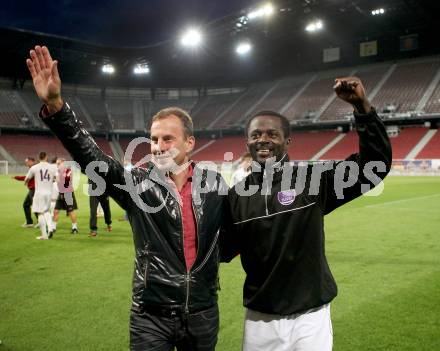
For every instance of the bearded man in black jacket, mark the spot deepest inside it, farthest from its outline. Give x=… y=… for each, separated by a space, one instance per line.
x=277 y=226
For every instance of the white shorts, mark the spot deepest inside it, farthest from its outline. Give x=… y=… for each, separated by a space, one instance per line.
x=308 y=331
x=41 y=202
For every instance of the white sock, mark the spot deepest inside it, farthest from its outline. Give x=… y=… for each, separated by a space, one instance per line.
x=42 y=224
x=74 y=226
x=48 y=219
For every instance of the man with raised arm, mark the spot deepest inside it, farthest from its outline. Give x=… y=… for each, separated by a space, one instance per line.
x=175 y=226
x=277 y=215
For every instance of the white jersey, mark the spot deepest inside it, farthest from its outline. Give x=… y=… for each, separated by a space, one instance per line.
x=44 y=174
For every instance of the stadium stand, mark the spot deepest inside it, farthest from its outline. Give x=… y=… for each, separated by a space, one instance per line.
x=243 y=106
x=20 y=146
x=11 y=112
x=370 y=76
x=140 y=151
x=406 y=85
x=216 y=151
x=401 y=90
x=431 y=149
x=283 y=92
x=313 y=97
x=96 y=107
x=305 y=145
x=211 y=108
x=349 y=144
x=184 y=103
x=120 y=112
x=406 y=140
x=433 y=104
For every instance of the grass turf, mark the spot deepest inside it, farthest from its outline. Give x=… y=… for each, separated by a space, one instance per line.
x=73 y=292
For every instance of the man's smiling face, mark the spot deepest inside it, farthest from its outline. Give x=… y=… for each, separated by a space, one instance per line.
x=266 y=139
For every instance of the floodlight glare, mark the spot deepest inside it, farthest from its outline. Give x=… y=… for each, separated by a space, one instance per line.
x=264 y=11
x=141 y=69
x=191 y=38
x=243 y=48
x=314 y=26
x=108 y=69
x=380 y=11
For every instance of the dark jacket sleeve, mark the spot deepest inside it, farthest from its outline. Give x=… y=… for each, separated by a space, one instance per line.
x=228 y=241
x=83 y=149
x=373 y=163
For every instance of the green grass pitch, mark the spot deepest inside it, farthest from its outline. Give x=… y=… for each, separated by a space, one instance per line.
x=73 y=292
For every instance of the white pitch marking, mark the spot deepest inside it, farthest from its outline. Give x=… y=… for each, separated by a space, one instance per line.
x=403 y=200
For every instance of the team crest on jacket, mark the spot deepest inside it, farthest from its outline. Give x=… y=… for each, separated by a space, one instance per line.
x=286 y=197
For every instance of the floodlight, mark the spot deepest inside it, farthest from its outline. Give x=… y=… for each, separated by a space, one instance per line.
x=108 y=69
x=243 y=48
x=264 y=11
x=191 y=38
x=314 y=26
x=380 y=11
x=141 y=68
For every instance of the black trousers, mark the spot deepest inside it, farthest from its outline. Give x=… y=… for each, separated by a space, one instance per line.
x=27 y=203
x=105 y=203
x=186 y=332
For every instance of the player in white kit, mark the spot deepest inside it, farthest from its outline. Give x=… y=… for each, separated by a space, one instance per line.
x=44 y=174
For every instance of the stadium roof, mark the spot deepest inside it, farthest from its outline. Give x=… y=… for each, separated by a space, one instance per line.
x=85 y=35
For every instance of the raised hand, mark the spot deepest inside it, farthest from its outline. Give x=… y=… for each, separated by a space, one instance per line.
x=351 y=90
x=47 y=82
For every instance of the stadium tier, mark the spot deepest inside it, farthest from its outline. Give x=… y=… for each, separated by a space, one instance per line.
x=431 y=149
x=406 y=85
x=215 y=151
x=370 y=76
x=20 y=146
x=433 y=104
x=139 y=152
x=121 y=113
x=11 y=110
x=306 y=145
x=348 y=144
x=395 y=87
x=314 y=95
x=241 y=107
x=96 y=108
x=407 y=139
x=211 y=108
x=283 y=91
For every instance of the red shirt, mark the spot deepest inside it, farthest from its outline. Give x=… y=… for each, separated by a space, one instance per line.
x=65 y=180
x=30 y=184
x=188 y=221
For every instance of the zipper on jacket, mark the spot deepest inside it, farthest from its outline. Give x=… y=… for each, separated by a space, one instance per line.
x=187 y=280
x=146 y=251
x=197 y=229
x=266 y=192
x=146 y=273
x=187 y=275
x=211 y=249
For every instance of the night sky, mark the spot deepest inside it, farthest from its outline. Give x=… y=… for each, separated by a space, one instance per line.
x=115 y=22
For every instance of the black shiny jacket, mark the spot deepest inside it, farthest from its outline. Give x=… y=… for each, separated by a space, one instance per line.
x=160 y=277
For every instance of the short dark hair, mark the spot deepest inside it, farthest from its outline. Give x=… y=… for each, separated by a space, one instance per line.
x=181 y=114
x=42 y=155
x=285 y=124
